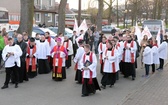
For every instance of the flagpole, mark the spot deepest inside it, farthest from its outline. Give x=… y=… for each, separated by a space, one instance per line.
x=79 y=12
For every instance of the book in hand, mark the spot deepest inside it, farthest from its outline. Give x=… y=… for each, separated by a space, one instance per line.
x=87 y=63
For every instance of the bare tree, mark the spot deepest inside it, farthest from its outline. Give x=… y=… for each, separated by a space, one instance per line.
x=110 y=7
x=99 y=15
x=159 y=10
x=26 y=21
x=61 y=16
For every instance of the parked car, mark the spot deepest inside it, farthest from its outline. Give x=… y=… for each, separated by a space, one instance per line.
x=52 y=34
x=107 y=28
x=68 y=32
x=37 y=30
x=34 y=31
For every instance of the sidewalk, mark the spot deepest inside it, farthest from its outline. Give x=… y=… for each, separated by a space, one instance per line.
x=153 y=92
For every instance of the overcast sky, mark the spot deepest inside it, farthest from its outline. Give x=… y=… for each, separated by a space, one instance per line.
x=74 y=3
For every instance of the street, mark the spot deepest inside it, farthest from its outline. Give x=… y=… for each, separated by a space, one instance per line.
x=42 y=90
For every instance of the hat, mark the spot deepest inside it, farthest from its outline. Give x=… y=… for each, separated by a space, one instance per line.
x=59 y=40
x=80 y=41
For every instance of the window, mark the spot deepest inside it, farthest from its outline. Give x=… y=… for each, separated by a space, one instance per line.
x=50 y=2
x=3 y=15
x=38 y=17
x=49 y=17
x=37 y=2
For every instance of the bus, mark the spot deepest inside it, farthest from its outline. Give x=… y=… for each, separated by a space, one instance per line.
x=4 y=19
x=70 y=19
x=154 y=26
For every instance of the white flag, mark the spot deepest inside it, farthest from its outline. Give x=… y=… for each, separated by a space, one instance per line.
x=146 y=32
x=138 y=34
x=158 y=37
x=76 y=28
x=83 y=26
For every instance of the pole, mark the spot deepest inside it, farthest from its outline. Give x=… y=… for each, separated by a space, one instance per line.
x=117 y=15
x=125 y=12
x=79 y=12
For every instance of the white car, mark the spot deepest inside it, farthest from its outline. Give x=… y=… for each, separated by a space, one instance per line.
x=68 y=32
x=52 y=34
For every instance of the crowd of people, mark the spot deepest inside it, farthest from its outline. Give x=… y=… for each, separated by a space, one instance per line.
x=25 y=57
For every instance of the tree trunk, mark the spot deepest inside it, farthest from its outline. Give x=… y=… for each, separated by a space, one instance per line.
x=110 y=12
x=155 y=9
x=109 y=16
x=166 y=17
x=99 y=15
x=27 y=13
x=61 y=16
x=159 y=9
x=117 y=15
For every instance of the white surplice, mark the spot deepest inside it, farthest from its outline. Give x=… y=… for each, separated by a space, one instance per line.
x=10 y=62
x=78 y=57
x=43 y=50
x=92 y=67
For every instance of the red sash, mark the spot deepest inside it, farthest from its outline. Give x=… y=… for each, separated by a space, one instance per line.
x=60 y=60
x=118 y=45
x=67 y=44
x=101 y=48
x=91 y=60
x=155 y=45
x=113 y=64
x=132 y=54
x=33 y=59
x=49 y=40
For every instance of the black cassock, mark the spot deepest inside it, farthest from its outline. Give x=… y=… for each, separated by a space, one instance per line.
x=90 y=88
x=108 y=79
x=128 y=69
x=43 y=66
x=32 y=74
x=78 y=76
x=68 y=61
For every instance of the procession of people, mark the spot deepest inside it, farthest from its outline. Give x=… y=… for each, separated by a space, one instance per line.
x=117 y=56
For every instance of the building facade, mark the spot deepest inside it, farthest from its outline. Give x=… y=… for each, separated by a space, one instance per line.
x=44 y=11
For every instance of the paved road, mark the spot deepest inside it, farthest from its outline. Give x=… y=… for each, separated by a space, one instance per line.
x=42 y=90
x=153 y=92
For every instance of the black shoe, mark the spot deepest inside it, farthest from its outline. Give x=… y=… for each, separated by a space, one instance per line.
x=20 y=81
x=133 y=78
x=84 y=95
x=110 y=86
x=94 y=92
x=16 y=86
x=27 y=79
x=4 y=87
x=158 y=69
x=125 y=76
x=103 y=87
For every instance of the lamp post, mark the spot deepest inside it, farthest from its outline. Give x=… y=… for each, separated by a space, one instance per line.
x=79 y=12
